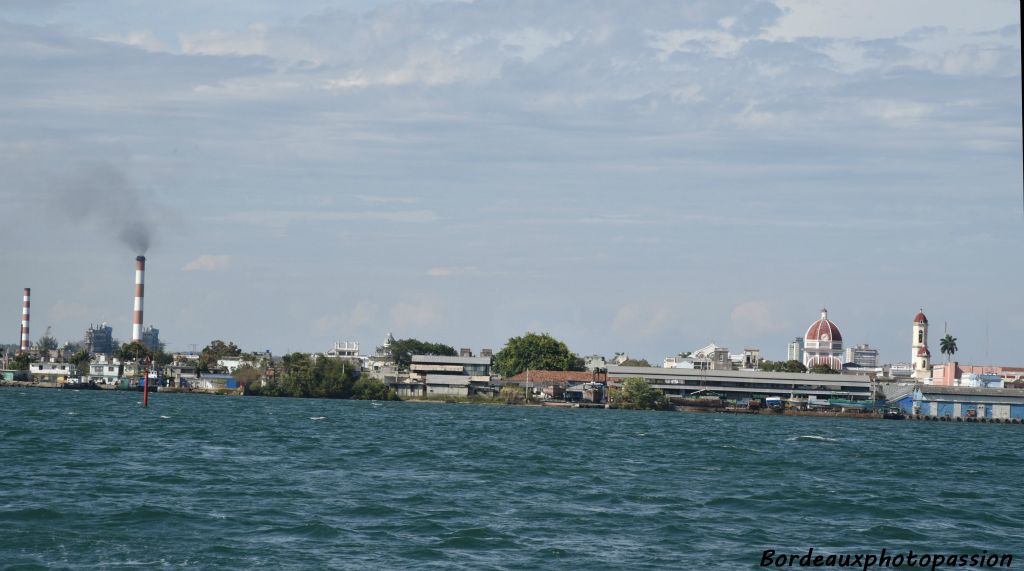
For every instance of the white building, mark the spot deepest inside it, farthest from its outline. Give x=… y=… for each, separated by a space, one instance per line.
x=711 y=357
x=862 y=356
x=51 y=372
x=344 y=349
x=795 y=350
x=105 y=370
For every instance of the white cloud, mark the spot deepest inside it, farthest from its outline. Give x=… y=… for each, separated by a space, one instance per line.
x=141 y=39
x=530 y=42
x=643 y=320
x=69 y=310
x=410 y=315
x=890 y=110
x=715 y=42
x=284 y=218
x=207 y=263
x=219 y=42
x=443 y=272
x=755 y=317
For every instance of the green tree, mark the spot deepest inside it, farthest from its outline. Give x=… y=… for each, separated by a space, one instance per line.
x=134 y=351
x=372 y=389
x=513 y=394
x=637 y=394
x=794 y=366
x=635 y=363
x=81 y=361
x=21 y=361
x=535 y=351
x=304 y=376
x=247 y=375
x=215 y=351
x=162 y=358
x=948 y=346
x=46 y=343
x=402 y=351
x=790 y=366
x=822 y=369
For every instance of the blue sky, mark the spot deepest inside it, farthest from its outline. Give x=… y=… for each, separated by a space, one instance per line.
x=632 y=180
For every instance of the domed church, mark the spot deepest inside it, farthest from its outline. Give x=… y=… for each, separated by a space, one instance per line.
x=823 y=344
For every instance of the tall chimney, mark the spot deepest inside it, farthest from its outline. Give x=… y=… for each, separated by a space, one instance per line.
x=26 y=302
x=140 y=272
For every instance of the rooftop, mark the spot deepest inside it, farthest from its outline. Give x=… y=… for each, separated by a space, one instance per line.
x=445 y=360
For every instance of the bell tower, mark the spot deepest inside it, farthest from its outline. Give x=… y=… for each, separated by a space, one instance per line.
x=921 y=357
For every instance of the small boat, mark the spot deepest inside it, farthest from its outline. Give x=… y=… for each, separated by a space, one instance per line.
x=894 y=413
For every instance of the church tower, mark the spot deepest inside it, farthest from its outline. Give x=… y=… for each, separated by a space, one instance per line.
x=921 y=357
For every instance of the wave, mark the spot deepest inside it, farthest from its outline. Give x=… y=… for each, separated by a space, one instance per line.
x=812 y=438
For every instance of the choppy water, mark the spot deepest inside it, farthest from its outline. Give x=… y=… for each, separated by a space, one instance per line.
x=90 y=479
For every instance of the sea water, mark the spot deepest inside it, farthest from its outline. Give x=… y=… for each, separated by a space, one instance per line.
x=91 y=479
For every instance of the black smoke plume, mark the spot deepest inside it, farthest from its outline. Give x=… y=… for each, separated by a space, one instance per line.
x=100 y=195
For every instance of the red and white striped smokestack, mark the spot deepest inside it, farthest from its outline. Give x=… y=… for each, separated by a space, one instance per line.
x=140 y=272
x=26 y=303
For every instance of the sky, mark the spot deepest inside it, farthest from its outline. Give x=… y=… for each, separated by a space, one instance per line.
x=628 y=177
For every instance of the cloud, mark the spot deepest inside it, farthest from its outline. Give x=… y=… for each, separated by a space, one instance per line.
x=68 y=311
x=207 y=263
x=388 y=199
x=755 y=317
x=443 y=272
x=415 y=315
x=284 y=218
x=644 y=320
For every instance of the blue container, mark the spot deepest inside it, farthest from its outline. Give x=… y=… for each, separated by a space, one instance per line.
x=232 y=384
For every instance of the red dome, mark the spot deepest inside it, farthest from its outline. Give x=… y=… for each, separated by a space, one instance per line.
x=920 y=318
x=823 y=330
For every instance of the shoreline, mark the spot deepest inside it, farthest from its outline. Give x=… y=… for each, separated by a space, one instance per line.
x=548 y=404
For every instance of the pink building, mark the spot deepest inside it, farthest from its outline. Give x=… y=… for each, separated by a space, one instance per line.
x=947 y=375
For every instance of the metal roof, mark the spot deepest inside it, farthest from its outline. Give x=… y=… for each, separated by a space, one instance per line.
x=445 y=360
x=971 y=391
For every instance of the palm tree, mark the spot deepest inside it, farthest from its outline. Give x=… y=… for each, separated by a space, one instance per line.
x=948 y=346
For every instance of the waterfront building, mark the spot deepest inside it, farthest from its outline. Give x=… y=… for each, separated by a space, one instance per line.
x=966 y=402
x=823 y=344
x=862 y=356
x=742 y=385
x=51 y=372
x=921 y=357
x=181 y=375
x=435 y=375
x=795 y=350
x=951 y=374
x=553 y=384
x=213 y=382
x=106 y=370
